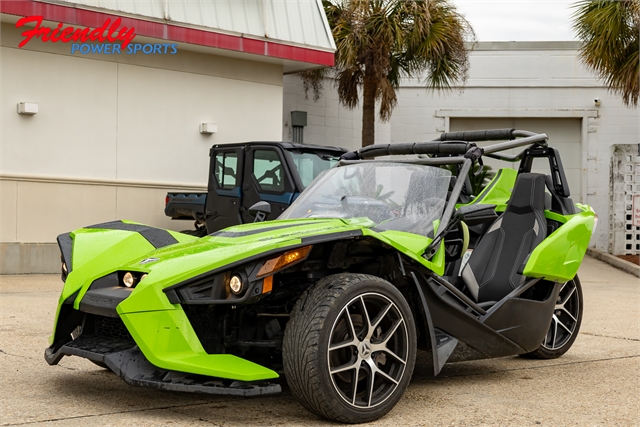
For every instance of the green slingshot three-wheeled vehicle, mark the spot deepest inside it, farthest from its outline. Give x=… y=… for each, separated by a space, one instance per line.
x=377 y=258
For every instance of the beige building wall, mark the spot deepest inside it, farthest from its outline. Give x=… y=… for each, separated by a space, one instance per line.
x=114 y=133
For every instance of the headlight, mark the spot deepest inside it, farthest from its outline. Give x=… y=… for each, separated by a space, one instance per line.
x=595 y=225
x=236 y=285
x=129 y=280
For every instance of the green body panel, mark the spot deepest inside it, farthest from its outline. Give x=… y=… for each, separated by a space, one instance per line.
x=168 y=341
x=96 y=253
x=498 y=191
x=412 y=246
x=555 y=217
x=161 y=329
x=558 y=257
x=181 y=262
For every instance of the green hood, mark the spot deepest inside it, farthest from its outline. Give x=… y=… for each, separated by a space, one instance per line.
x=98 y=252
x=182 y=261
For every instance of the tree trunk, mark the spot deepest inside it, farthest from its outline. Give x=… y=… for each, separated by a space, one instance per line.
x=369 y=112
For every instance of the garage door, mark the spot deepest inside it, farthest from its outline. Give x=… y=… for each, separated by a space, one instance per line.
x=564 y=135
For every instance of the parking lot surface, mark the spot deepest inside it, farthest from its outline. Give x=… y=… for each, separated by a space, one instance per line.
x=595 y=384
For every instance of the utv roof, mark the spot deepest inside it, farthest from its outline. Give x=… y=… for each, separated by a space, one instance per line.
x=286 y=145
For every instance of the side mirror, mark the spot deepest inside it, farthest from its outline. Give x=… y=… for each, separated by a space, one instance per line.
x=476 y=214
x=260 y=211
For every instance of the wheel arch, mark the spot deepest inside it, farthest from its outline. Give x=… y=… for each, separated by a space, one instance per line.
x=388 y=263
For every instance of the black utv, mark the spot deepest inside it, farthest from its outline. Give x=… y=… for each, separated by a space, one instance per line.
x=243 y=174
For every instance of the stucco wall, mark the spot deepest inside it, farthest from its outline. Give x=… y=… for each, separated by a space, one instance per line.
x=114 y=133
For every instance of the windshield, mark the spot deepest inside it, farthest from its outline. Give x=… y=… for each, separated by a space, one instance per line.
x=395 y=196
x=310 y=165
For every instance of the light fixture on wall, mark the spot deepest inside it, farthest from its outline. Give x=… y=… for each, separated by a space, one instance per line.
x=597 y=101
x=27 y=108
x=208 y=128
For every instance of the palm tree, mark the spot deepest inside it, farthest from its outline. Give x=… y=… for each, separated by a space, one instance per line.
x=380 y=41
x=609 y=31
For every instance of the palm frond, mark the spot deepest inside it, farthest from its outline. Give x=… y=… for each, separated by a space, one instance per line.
x=609 y=31
x=348 y=81
x=383 y=41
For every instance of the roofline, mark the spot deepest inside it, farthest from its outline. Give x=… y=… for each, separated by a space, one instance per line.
x=174 y=32
x=527 y=45
x=325 y=22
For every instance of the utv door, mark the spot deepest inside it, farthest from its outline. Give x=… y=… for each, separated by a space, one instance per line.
x=266 y=178
x=224 y=198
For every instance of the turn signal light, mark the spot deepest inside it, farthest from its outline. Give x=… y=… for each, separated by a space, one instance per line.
x=267 y=284
x=275 y=264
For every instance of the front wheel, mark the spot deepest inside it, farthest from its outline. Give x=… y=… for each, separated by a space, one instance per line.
x=565 y=323
x=350 y=347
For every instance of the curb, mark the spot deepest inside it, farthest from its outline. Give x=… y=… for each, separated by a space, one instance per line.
x=614 y=261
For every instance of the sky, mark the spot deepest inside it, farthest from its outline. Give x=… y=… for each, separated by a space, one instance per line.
x=519 y=20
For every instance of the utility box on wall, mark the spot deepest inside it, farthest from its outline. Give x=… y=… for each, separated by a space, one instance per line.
x=299 y=118
x=298 y=122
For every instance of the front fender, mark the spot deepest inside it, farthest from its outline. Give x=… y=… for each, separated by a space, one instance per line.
x=98 y=250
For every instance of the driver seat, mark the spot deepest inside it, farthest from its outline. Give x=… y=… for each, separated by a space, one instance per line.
x=492 y=271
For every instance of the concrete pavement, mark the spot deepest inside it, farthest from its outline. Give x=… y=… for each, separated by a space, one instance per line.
x=595 y=384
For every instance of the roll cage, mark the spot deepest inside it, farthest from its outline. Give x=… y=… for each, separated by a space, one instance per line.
x=460 y=148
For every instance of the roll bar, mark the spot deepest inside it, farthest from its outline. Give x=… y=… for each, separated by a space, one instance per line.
x=455 y=144
x=485 y=135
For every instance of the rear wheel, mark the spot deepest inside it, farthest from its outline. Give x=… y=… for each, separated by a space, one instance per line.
x=349 y=348
x=565 y=323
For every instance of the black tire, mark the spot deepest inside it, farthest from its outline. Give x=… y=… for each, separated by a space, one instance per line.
x=337 y=312
x=565 y=325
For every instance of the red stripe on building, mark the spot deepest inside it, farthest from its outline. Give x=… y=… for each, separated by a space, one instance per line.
x=89 y=18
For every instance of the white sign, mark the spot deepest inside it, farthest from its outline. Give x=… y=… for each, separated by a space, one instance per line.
x=636 y=211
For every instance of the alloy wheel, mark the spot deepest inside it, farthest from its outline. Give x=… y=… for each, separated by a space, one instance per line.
x=565 y=317
x=368 y=350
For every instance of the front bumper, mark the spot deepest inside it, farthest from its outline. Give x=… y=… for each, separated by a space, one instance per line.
x=125 y=359
x=159 y=329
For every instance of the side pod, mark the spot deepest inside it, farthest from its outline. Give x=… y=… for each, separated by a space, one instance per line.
x=558 y=257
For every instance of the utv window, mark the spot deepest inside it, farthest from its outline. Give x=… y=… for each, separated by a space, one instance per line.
x=310 y=165
x=267 y=170
x=225 y=171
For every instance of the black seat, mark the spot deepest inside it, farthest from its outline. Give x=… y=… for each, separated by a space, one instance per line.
x=492 y=270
